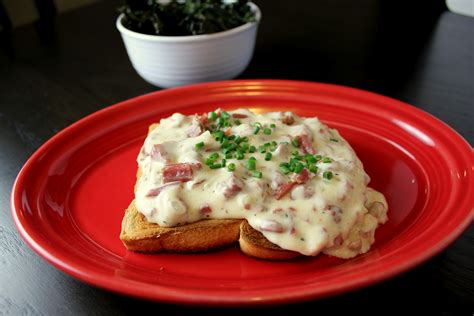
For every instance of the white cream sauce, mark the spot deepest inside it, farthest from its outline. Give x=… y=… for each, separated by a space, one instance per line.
x=312 y=217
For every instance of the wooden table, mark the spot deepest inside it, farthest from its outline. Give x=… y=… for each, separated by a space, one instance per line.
x=54 y=73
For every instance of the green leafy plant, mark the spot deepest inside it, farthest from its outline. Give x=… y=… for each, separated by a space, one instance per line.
x=180 y=18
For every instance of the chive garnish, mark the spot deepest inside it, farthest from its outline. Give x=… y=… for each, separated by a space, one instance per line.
x=295 y=142
x=284 y=169
x=327 y=160
x=313 y=168
x=211 y=116
x=251 y=164
x=327 y=175
x=268 y=156
x=199 y=145
x=334 y=139
x=256 y=174
x=231 y=167
x=299 y=167
x=267 y=131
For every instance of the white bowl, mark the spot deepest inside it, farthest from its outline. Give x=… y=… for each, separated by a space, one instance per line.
x=169 y=61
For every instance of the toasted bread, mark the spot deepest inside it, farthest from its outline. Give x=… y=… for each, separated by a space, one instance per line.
x=253 y=243
x=140 y=235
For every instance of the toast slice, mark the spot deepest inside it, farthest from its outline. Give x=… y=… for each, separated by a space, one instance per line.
x=253 y=243
x=140 y=235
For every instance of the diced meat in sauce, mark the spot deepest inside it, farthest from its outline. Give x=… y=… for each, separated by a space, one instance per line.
x=158 y=153
x=196 y=127
x=283 y=189
x=178 y=172
x=271 y=226
x=306 y=144
x=205 y=210
x=233 y=186
x=156 y=191
x=301 y=177
x=239 y=116
x=287 y=119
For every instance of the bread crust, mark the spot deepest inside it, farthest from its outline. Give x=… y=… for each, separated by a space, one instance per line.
x=140 y=235
x=253 y=243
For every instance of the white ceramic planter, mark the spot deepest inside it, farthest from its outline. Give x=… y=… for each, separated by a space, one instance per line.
x=169 y=61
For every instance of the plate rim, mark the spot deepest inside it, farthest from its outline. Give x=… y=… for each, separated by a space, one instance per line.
x=98 y=279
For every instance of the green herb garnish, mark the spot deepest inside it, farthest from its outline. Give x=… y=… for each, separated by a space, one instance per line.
x=181 y=18
x=199 y=145
x=327 y=175
x=256 y=174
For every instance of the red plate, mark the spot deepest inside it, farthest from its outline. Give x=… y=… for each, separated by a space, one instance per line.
x=69 y=198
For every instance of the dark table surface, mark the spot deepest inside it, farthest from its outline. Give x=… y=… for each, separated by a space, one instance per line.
x=55 y=72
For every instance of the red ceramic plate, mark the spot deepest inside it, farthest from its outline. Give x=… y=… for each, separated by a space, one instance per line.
x=69 y=198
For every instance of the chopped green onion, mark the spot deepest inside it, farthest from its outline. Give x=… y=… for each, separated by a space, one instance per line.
x=310 y=158
x=252 y=158
x=272 y=125
x=231 y=137
x=256 y=174
x=256 y=130
x=244 y=147
x=334 y=140
x=262 y=149
x=318 y=157
x=223 y=162
x=299 y=167
x=211 y=116
x=231 y=167
x=238 y=140
x=220 y=121
x=258 y=124
x=285 y=169
x=199 y=145
x=267 y=131
x=245 y=139
x=214 y=156
x=215 y=166
x=327 y=175
x=225 y=115
x=224 y=142
x=252 y=149
x=295 y=142
x=313 y=168
x=237 y=122
x=268 y=156
x=295 y=152
x=228 y=156
x=239 y=155
x=327 y=160
x=251 y=164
